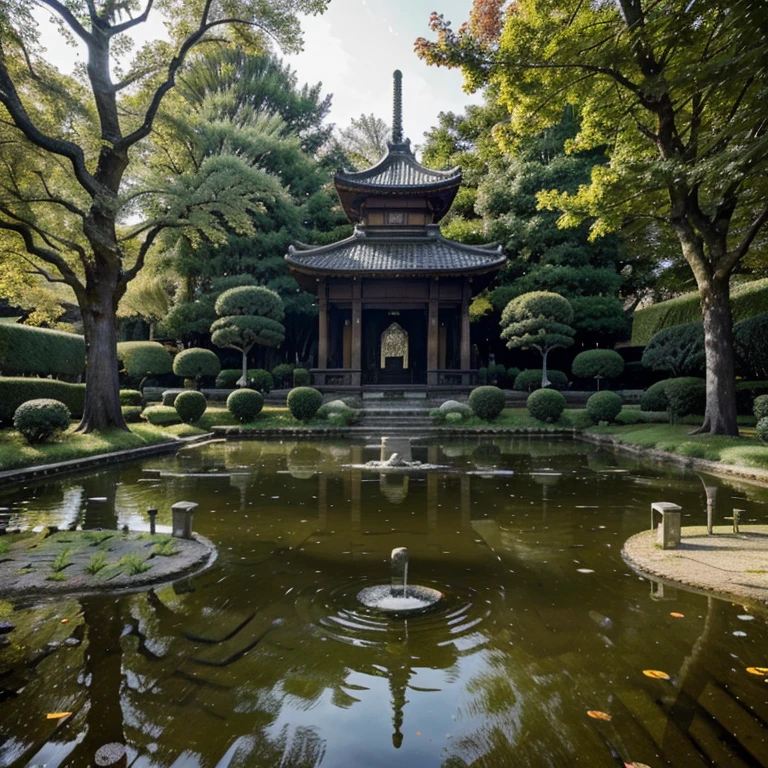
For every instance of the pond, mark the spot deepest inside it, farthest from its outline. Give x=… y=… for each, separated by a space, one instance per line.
x=535 y=657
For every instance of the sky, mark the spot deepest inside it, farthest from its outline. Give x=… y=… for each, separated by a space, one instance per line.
x=353 y=49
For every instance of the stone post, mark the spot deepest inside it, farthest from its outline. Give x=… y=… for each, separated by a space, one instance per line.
x=152 y=514
x=669 y=528
x=399 y=558
x=182 y=514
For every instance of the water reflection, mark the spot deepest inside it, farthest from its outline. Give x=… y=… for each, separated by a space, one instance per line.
x=267 y=659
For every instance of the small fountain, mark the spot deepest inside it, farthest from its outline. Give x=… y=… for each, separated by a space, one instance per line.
x=399 y=597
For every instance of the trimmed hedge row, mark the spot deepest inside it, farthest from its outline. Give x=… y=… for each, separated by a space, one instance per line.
x=747 y=300
x=15 y=390
x=28 y=351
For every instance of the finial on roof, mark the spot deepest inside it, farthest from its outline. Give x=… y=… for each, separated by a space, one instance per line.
x=397 y=108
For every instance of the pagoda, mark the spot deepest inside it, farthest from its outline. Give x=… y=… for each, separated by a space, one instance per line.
x=394 y=297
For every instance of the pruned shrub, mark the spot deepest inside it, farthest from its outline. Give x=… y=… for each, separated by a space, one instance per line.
x=194 y=363
x=227 y=378
x=655 y=397
x=746 y=394
x=686 y=396
x=338 y=413
x=17 y=390
x=170 y=395
x=528 y=380
x=304 y=402
x=482 y=375
x=300 y=377
x=546 y=405
x=144 y=358
x=283 y=375
x=257 y=378
x=130 y=397
x=604 y=406
x=486 y=402
x=42 y=419
x=750 y=343
x=597 y=364
x=762 y=429
x=28 y=351
x=131 y=413
x=190 y=406
x=245 y=404
x=161 y=415
x=760 y=407
x=678 y=349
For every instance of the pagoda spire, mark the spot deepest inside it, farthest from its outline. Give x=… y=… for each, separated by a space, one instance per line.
x=397 y=108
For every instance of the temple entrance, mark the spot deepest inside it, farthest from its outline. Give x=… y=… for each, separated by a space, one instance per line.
x=394 y=347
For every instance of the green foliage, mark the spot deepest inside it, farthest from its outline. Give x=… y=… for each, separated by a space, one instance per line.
x=300 y=377
x=761 y=430
x=42 y=419
x=604 y=406
x=248 y=315
x=133 y=564
x=131 y=413
x=169 y=396
x=194 y=363
x=190 y=406
x=96 y=563
x=338 y=413
x=746 y=394
x=258 y=378
x=760 y=407
x=15 y=391
x=144 y=358
x=131 y=397
x=482 y=375
x=530 y=379
x=598 y=364
x=454 y=406
x=283 y=375
x=747 y=300
x=304 y=402
x=245 y=404
x=655 y=397
x=486 y=402
x=166 y=547
x=546 y=405
x=161 y=415
x=28 y=351
x=686 y=396
x=62 y=560
x=750 y=340
x=678 y=348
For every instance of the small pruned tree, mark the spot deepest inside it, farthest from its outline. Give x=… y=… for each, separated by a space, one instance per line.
x=539 y=320
x=598 y=364
x=248 y=316
x=678 y=349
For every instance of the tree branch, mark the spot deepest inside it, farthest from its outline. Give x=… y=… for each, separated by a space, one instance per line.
x=733 y=256
x=143 y=250
x=38 y=270
x=126 y=25
x=69 y=18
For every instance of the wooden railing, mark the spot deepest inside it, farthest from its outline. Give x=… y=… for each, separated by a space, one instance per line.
x=336 y=377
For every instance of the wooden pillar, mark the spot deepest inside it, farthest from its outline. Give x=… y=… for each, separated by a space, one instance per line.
x=322 y=343
x=357 y=327
x=433 y=333
x=466 y=295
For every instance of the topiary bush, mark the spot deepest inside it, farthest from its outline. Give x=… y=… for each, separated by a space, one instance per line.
x=300 y=377
x=454 y=406
x=338 y=413
x=131 y=397
x=482 y=375
x=195 y=362
x=746 y=394
x=283 y=375
x=486 y=402
x=144 y=358
x=28 y=351
x=678 y=349
x=528 y=380
x=161 y=415
x=261 y=380
x=686 y=396
x=190 y=406
x=655 y=397
x=245 y=404
x=227 y=378
x=131 y=413
x=42 y=419
x=546 y=405
x=760 y=407
x=604 y=406
x=170 y=395
x=304 y=402
x=762 y=429
x=17 y=390
x=597 y=364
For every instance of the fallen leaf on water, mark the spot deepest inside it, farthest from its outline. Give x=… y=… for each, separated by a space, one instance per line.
x=636 y=765
x=674 y=615
x=57 y=715
x=656 y=674
x=758 y=671
x=65 y=621
x=596 y=714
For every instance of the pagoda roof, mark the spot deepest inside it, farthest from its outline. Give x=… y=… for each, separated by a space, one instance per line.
x=399 y=170
x=372 y=252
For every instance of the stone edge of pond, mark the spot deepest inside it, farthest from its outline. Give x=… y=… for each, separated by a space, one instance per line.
x=235 y=433
x=672 y=567
x=703 y=465
x=196 y=555
x=22 y=474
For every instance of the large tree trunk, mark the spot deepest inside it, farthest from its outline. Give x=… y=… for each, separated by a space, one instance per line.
x=102 y=391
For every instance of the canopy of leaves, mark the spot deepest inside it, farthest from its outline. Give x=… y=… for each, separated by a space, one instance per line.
x=679 y=349
x=364 y=141
x=540 y=320
x=248 y=315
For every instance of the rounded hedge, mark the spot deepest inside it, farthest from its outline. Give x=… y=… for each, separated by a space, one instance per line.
x=760 y=407
x=144 y=358
x=304 y=402
x=604 y=406
x=686 y=396
x=131 y=413
x=195 y=362
x=486 y=402
x=300 y=377
x=762 y=429
x=40 y=420
x=454 y=406
x=130 y=397
x=245 y=404
x=655 y=397
x=161 y=415
x=29 y=351
x=190 y=406
x=597 y=364
x=169 y=396
x=528 y=380
x=260 y=379
x=546 y=405
x=283 y=374
x=17 y=390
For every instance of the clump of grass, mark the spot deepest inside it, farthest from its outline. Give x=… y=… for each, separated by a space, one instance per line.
x=96 y=563
x=96 y=537
x=56 y=576
x=24 y=571
x=61 y=561
x=166 y=547
x=133 y=564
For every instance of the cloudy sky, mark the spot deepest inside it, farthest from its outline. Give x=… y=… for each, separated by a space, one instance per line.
x=353 y=49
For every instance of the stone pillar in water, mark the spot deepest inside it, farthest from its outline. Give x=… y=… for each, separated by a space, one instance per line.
x=399 y=445
x=399 y=559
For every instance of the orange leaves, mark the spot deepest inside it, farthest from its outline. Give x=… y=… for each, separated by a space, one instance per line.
x=596 y=714
x=761 y=671
x=676 y=615
x=656 y=674
x=57 y=715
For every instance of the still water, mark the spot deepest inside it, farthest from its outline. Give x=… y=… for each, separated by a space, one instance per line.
x=266 y=658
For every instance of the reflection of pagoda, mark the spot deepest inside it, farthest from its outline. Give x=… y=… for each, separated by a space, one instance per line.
x=394 y=297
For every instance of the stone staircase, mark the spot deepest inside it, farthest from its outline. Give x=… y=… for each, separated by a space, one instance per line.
x=393 y=414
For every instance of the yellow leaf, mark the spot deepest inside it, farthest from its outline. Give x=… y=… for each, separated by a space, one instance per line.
x=656 y=674
x=596 y=714
x=676 y=615
x=65 y=621
x=57 y=715
x=636 y=765
x=758 y=671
